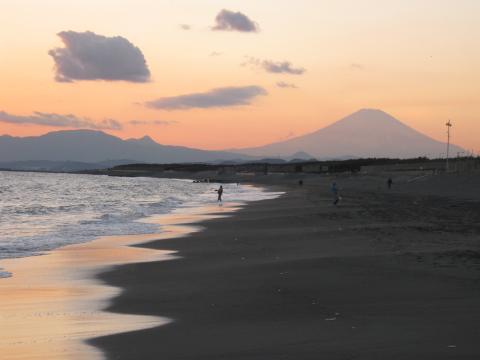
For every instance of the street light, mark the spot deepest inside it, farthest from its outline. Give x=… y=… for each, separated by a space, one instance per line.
x=449 y=125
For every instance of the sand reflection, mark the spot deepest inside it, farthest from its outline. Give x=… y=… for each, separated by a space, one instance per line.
x=53 y=303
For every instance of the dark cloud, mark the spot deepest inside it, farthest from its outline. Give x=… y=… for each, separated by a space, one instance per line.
x=282 y=84
x=276 y=67
x=69 y=120
x=281 y=67
x=153 y=122
x=227 y=20
x=185 y=27
x=88 y=56
x=215 y=98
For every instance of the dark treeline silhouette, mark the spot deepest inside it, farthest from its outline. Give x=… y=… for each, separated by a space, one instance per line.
x=330 y=166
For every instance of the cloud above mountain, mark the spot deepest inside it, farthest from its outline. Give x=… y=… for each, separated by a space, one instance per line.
x=88 y=56
x=58 y=120
x=215 y=98
x=152 y=122
x=227 y=20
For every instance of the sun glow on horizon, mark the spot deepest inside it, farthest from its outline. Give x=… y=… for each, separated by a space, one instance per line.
x=284 y=73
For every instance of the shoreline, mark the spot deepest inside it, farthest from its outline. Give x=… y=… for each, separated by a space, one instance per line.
x=55 y=302
x=385 y=274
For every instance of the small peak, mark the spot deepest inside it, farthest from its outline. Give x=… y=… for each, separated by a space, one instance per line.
x=146 y=140
x=302 y=155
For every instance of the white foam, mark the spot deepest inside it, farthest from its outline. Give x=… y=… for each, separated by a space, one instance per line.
x=41 y=212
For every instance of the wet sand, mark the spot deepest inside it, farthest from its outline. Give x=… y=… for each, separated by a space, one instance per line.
x=53 y=303
x=385 y=275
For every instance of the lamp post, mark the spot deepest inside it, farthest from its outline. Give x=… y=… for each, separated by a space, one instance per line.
x=449 y=125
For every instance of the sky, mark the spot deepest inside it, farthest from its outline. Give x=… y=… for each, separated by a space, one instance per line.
x=217 y=74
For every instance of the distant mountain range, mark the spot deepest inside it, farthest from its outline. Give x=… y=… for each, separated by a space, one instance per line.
x=365 y=133
x=89 y=146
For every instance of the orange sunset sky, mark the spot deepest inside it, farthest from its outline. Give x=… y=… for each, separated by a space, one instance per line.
x=418 y=60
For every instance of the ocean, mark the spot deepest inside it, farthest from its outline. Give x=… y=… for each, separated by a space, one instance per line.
x=43 y=211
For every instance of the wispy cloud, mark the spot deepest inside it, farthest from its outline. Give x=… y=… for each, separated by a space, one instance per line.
x=356 y=66
x=282 y=84
x=153 y=122
x=227 y=20
x=275 y=67
x=215 y=98
x=88 y=56
x=282 y=67
x=215 y=53
x=185 y=27
x=58 y=120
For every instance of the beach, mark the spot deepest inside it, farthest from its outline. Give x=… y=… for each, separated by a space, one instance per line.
x=50 y=305
x=386 y=274
x=240 y=180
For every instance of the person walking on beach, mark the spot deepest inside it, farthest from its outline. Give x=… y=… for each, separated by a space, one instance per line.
x=220 y=193
x=389 y=183
x=336 y=197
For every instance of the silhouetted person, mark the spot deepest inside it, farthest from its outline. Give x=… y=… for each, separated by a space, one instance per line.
x=300 y=182
x=336 y=197
x=220 y=193
x=389 y=183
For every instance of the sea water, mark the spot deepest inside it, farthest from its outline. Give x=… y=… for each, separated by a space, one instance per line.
x=43 y=211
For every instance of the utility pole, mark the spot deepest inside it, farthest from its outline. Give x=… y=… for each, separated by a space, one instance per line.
x=449 y=126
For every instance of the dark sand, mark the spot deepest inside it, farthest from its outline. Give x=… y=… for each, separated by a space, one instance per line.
x=386 y=275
